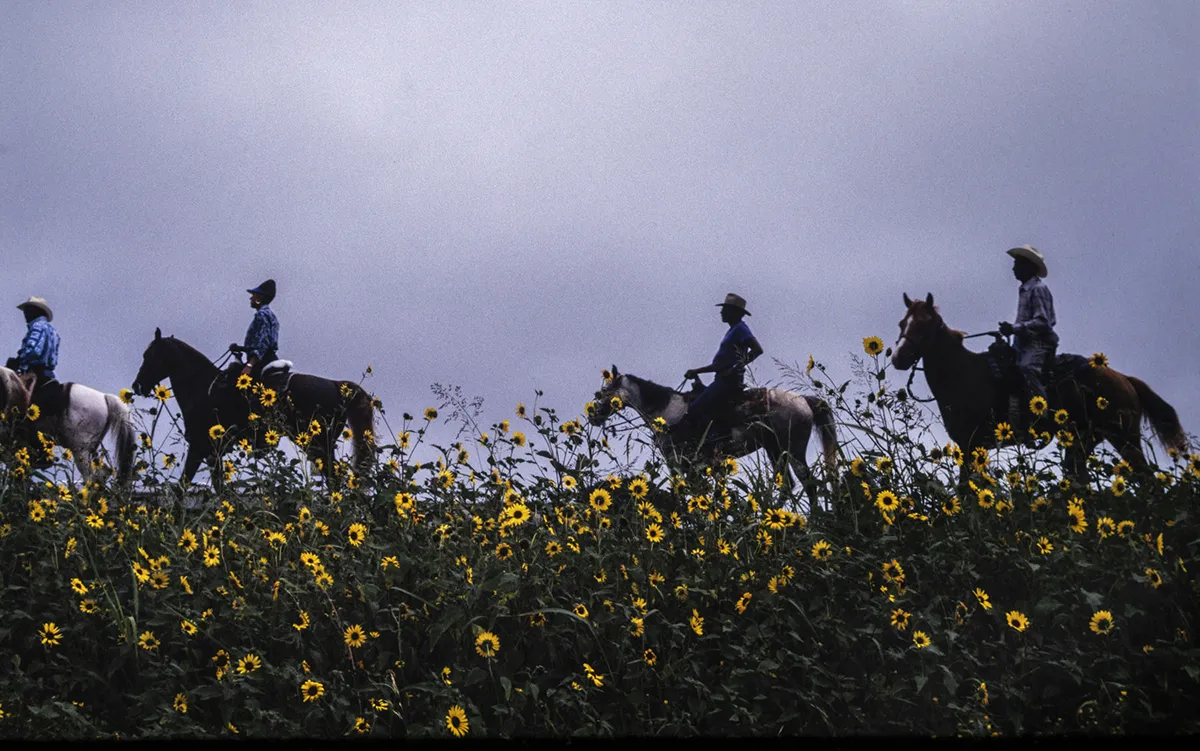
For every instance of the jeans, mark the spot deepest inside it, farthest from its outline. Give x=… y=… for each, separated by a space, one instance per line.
x=717 y=394
x=1032 y=358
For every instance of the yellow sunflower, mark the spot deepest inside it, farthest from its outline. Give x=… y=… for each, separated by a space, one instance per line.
x=1017 y=620
x=872 y=345
x=921 y=639
x=1101 y=622
x=354 y=636
x=487 y=644
x=456 y=721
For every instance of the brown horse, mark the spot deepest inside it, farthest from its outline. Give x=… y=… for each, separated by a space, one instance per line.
x=967 y=394
x=204 y=404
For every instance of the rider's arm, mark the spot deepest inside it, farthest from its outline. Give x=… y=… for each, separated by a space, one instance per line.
x=754 y=349
x=698 y=371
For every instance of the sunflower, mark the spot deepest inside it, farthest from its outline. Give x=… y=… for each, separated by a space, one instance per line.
x=893 y=571
x=212 y=556
x=822 y=551
x=148 y=641
x=244 y=381
x=354 y=636
x=900 y=618
x=33 y=412
x=456 y=721
x=986 y=498
x=249 y=664
x=88 y=606
x=1124 y=527
x=504 y=551
x=271 y=437
x=1118 y=486
x=1004 y=432
x=600 y=500
x=580 y=610
x=697 y=622
x=518 y=438
x=51 y=635
x=1153 y=578
x=872 y=345
x=984 y=601
x=553 y=548
x=1045 y=547
x=649 y=657
x=743 y=602
x=1079 y=520
x=356 y=534
x=430 y=414
x=1101 y=403
x=1099 y=361
x=1105 y=527
x=1017 y=620
x=445 y=479
x=518 y=514
x=921 y=639
x=216 y=432
x=1037 y=405
x=487 y=644
x=951 y=506
x=775 y=519
x=1101 y=622
x=569 y=482
x=1061 y=416
x=979 y=458
x=887 y=501
x=311 y=690
x=654 y=533
x=639 y=488
x=162 y=393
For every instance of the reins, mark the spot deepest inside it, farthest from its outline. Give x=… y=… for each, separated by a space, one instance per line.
x=913 y=371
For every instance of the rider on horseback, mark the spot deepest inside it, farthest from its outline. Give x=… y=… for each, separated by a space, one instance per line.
x=262 y=338
x=1034 y=338
x=39 y=355
x=738 y=348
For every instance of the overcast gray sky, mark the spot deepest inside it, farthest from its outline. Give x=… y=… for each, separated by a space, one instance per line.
x=510 y=196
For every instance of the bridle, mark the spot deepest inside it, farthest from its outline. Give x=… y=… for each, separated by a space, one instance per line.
x=926 y=340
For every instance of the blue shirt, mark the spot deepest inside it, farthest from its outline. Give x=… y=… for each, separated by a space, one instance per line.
x=39 y=347
x=1035 y=312
x=263 y=335
x=731 y=355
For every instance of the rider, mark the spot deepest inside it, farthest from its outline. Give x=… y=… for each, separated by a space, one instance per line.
x=39 y=355
x=738 y=349
x=262 y=338
x=1034 y=338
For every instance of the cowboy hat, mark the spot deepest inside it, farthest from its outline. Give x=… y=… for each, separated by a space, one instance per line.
x=40 y=304
x=266 y=289
x=734 y=301
x=1030 y=253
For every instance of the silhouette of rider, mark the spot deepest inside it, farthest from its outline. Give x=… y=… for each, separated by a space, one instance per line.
x=39 y=355
x=1033 y=331
x=738 y=348
x=262 y=338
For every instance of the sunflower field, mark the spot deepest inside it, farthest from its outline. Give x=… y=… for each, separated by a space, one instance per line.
x=535 y=581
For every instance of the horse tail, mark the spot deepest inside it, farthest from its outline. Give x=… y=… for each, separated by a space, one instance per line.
x=1161 y=415
x=120 y=422
x=823 y=420
x=360 y=413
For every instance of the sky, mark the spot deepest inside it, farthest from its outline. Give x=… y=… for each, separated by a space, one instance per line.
x=510 y=196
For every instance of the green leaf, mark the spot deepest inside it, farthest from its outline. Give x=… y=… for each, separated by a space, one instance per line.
x=506 y=684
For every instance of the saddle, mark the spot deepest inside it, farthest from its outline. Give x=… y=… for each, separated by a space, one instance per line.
x=275 y=375
x=746 y=406
x=1012 y=397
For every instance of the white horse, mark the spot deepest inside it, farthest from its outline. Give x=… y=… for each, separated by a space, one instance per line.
x=781 y=424
x=90 y=415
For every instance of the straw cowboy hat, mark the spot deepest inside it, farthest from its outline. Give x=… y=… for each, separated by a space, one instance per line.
x=40 y=304
x=1030 y=253
x=734 y=301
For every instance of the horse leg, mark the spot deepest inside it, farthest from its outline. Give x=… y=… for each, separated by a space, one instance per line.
x=779 y=466
x=1129 y=446
x=804 y=476
x=191 y=465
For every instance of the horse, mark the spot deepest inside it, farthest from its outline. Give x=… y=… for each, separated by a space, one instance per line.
x=782 y=430
x=88 y=416
x=204 y=404
x=966 y=394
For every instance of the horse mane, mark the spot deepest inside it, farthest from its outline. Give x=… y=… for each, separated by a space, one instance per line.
x=187 y=351
x=655 y=397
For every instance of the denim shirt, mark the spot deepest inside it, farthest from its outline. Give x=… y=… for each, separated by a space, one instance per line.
x=39 y=347
x=263 y=335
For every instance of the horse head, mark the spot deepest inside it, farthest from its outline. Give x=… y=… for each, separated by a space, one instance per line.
x=611 y=398
x=920 y=324
x=155 y=365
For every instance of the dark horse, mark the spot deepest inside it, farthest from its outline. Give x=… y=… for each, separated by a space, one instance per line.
x=966 y=394
x=203 y=404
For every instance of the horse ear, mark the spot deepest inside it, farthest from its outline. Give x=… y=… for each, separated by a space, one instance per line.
x=614 y=371
x=158 y=333
x=907 y=302
x=929 y=300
